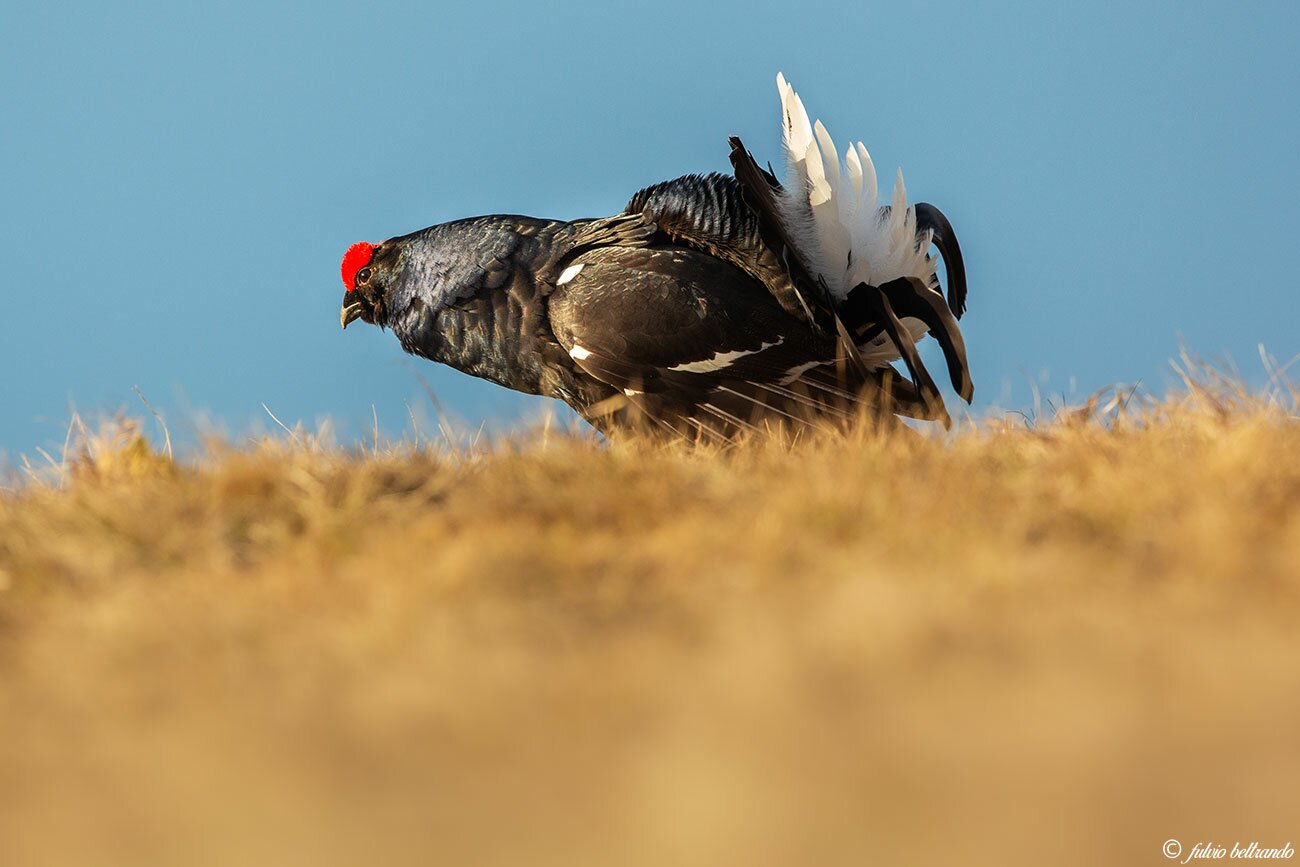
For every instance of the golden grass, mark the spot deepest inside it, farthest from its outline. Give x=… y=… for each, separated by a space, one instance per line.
x=1057 y=643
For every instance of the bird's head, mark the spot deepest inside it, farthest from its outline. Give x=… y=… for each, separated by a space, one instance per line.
x=401 y=281
x=369 y=273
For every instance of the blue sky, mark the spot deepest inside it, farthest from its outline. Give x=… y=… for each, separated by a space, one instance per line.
x=178 y=183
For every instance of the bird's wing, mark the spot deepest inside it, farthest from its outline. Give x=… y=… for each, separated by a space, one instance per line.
x=710 y=213
x=687 y=335
x=670 y=317
x=621 y=230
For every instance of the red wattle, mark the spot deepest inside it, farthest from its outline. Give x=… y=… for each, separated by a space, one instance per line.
x=357 y=257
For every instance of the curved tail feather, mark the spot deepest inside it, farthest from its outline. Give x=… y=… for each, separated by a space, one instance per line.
x=928 y=217
x=910 y=298
x=882 y=311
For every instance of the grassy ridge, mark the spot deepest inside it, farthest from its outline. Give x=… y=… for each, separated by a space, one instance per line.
x=1064 y=644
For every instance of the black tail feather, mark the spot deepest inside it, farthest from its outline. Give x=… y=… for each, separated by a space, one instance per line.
x=910 y=297
x=930 y=217
x=760 y=188
x=877 y=308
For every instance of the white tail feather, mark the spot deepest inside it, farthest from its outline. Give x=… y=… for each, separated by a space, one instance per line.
x=833 y=215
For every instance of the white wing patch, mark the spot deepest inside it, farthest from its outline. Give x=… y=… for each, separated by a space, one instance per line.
x=568 y=274
x=719 y=360
x=579 y=352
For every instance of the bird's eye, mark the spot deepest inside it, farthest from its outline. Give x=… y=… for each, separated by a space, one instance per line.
x=363 y=276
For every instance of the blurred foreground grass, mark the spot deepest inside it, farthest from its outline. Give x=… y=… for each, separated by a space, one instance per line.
x=1020 y=644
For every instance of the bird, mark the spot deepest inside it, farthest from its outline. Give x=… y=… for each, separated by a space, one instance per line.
x=711 y=305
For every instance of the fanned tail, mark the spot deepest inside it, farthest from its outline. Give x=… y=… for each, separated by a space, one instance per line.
x=831 y=214
x=831 y=209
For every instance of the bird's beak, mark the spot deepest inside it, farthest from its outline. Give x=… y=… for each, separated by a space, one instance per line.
x=349 y=313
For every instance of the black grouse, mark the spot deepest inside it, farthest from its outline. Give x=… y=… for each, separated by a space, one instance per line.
x=711 y=305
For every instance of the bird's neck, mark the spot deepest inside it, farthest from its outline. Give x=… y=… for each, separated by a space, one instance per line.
x=488 y=318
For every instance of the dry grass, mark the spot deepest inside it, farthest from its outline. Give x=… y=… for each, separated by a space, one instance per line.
x=1061 y=643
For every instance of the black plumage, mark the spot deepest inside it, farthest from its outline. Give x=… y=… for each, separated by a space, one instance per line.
x=693 y=311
